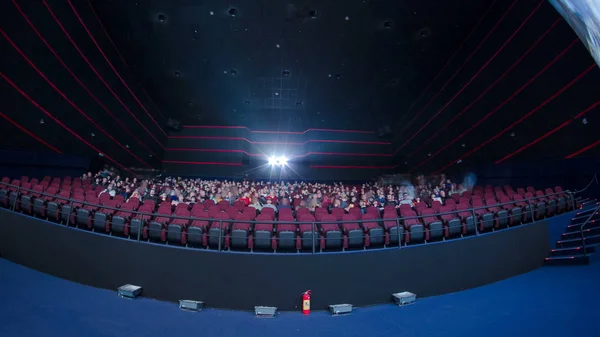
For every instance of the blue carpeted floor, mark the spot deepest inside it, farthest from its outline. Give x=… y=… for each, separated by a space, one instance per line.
x=551 y=301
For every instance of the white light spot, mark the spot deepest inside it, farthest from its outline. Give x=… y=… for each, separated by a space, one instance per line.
x=329 y=75
x=211 y=13
x=277 y=45
x=459 y=161
x=347 y=18
x=276 y=94
x=224 y=71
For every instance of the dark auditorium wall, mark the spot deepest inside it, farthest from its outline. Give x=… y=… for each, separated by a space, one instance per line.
x=234 y=152
x=61 y=95
x=241 y=281
x=15 y=164
x=574 y=174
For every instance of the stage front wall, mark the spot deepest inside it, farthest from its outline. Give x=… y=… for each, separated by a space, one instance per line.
x=242 y=281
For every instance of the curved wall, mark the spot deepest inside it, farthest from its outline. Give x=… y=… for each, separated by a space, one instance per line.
x=241 y=281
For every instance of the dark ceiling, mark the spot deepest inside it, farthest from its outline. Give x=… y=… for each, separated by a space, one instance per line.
x=436 y=82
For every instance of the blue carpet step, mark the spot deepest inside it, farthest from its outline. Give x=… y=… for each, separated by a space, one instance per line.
x=594 y=222
x=589 y=240
x=582 y=214
x=571 y=251
x=591 y=229
x=587 y=203
x=580 y=259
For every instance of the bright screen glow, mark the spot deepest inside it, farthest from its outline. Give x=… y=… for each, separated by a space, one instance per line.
x=279 y=161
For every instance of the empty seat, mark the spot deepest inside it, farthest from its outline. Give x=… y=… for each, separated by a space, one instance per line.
x=240 y=235
x=103 y=215
x=119 y=223
x=434 y=226
x=539 y=206
x=13 y=195
x=39 y=204
x=85 y=213
x=394 y=229
x=27 y=200
x=353 y=233
x=467 y=218
x=178 y=226
x=374 y=232
x=197 y=233
x=55 y=206
x=218 y=230
x=331 y=235
x=308 y=232
x=263 y=234
x=513 y=212
x=157 y=227
x=485 y=219
x=452 y=223
x=526 y=207
x=414 y=228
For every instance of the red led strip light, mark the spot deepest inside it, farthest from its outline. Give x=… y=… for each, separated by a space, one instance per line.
x=200 y=163
x=75 y=106
x=280 y=143
x=274 y=132
x=451 y=58
x=482 y=68
x=508 y=128
x=578 y=152
x=496 y=109
x=78 y=80
x=350 y=167
x=121 y=56
x=457 y=116
x=549 y=133
x=293 y=157
x=59 y=122
x=98 y=74
x=111 y=66
x=461 y=67
x=20 y=127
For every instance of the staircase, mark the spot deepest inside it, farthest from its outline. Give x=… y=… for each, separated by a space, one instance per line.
x=570 y=248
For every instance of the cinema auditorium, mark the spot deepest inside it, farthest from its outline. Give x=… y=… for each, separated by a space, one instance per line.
x=299 y=168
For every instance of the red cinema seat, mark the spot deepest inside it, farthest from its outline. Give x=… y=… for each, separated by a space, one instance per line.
x=331 y=235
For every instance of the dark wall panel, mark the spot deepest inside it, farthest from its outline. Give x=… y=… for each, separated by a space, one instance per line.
x=241 y=281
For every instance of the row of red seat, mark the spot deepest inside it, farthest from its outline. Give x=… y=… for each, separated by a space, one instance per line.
x=212 y=225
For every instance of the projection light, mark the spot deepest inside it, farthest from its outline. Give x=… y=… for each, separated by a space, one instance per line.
x=404 y=298
x=278 y=161
x=129 y=291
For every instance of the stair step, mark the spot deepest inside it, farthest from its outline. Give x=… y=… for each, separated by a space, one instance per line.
x=583 y=214
x=588 y=203
x=578 y=259
x=589 y=240
x=571 y=251
x=594 y=221
x=589 y=230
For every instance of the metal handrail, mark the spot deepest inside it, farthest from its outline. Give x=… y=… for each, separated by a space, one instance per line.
x=471 y=209
x=582 y=229
x=594 y=178
x=315 y=230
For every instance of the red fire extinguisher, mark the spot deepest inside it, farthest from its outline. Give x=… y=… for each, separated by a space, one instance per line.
x=306 y=302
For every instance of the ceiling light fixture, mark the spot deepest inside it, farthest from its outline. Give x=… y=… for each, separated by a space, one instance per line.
x=584 y=121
